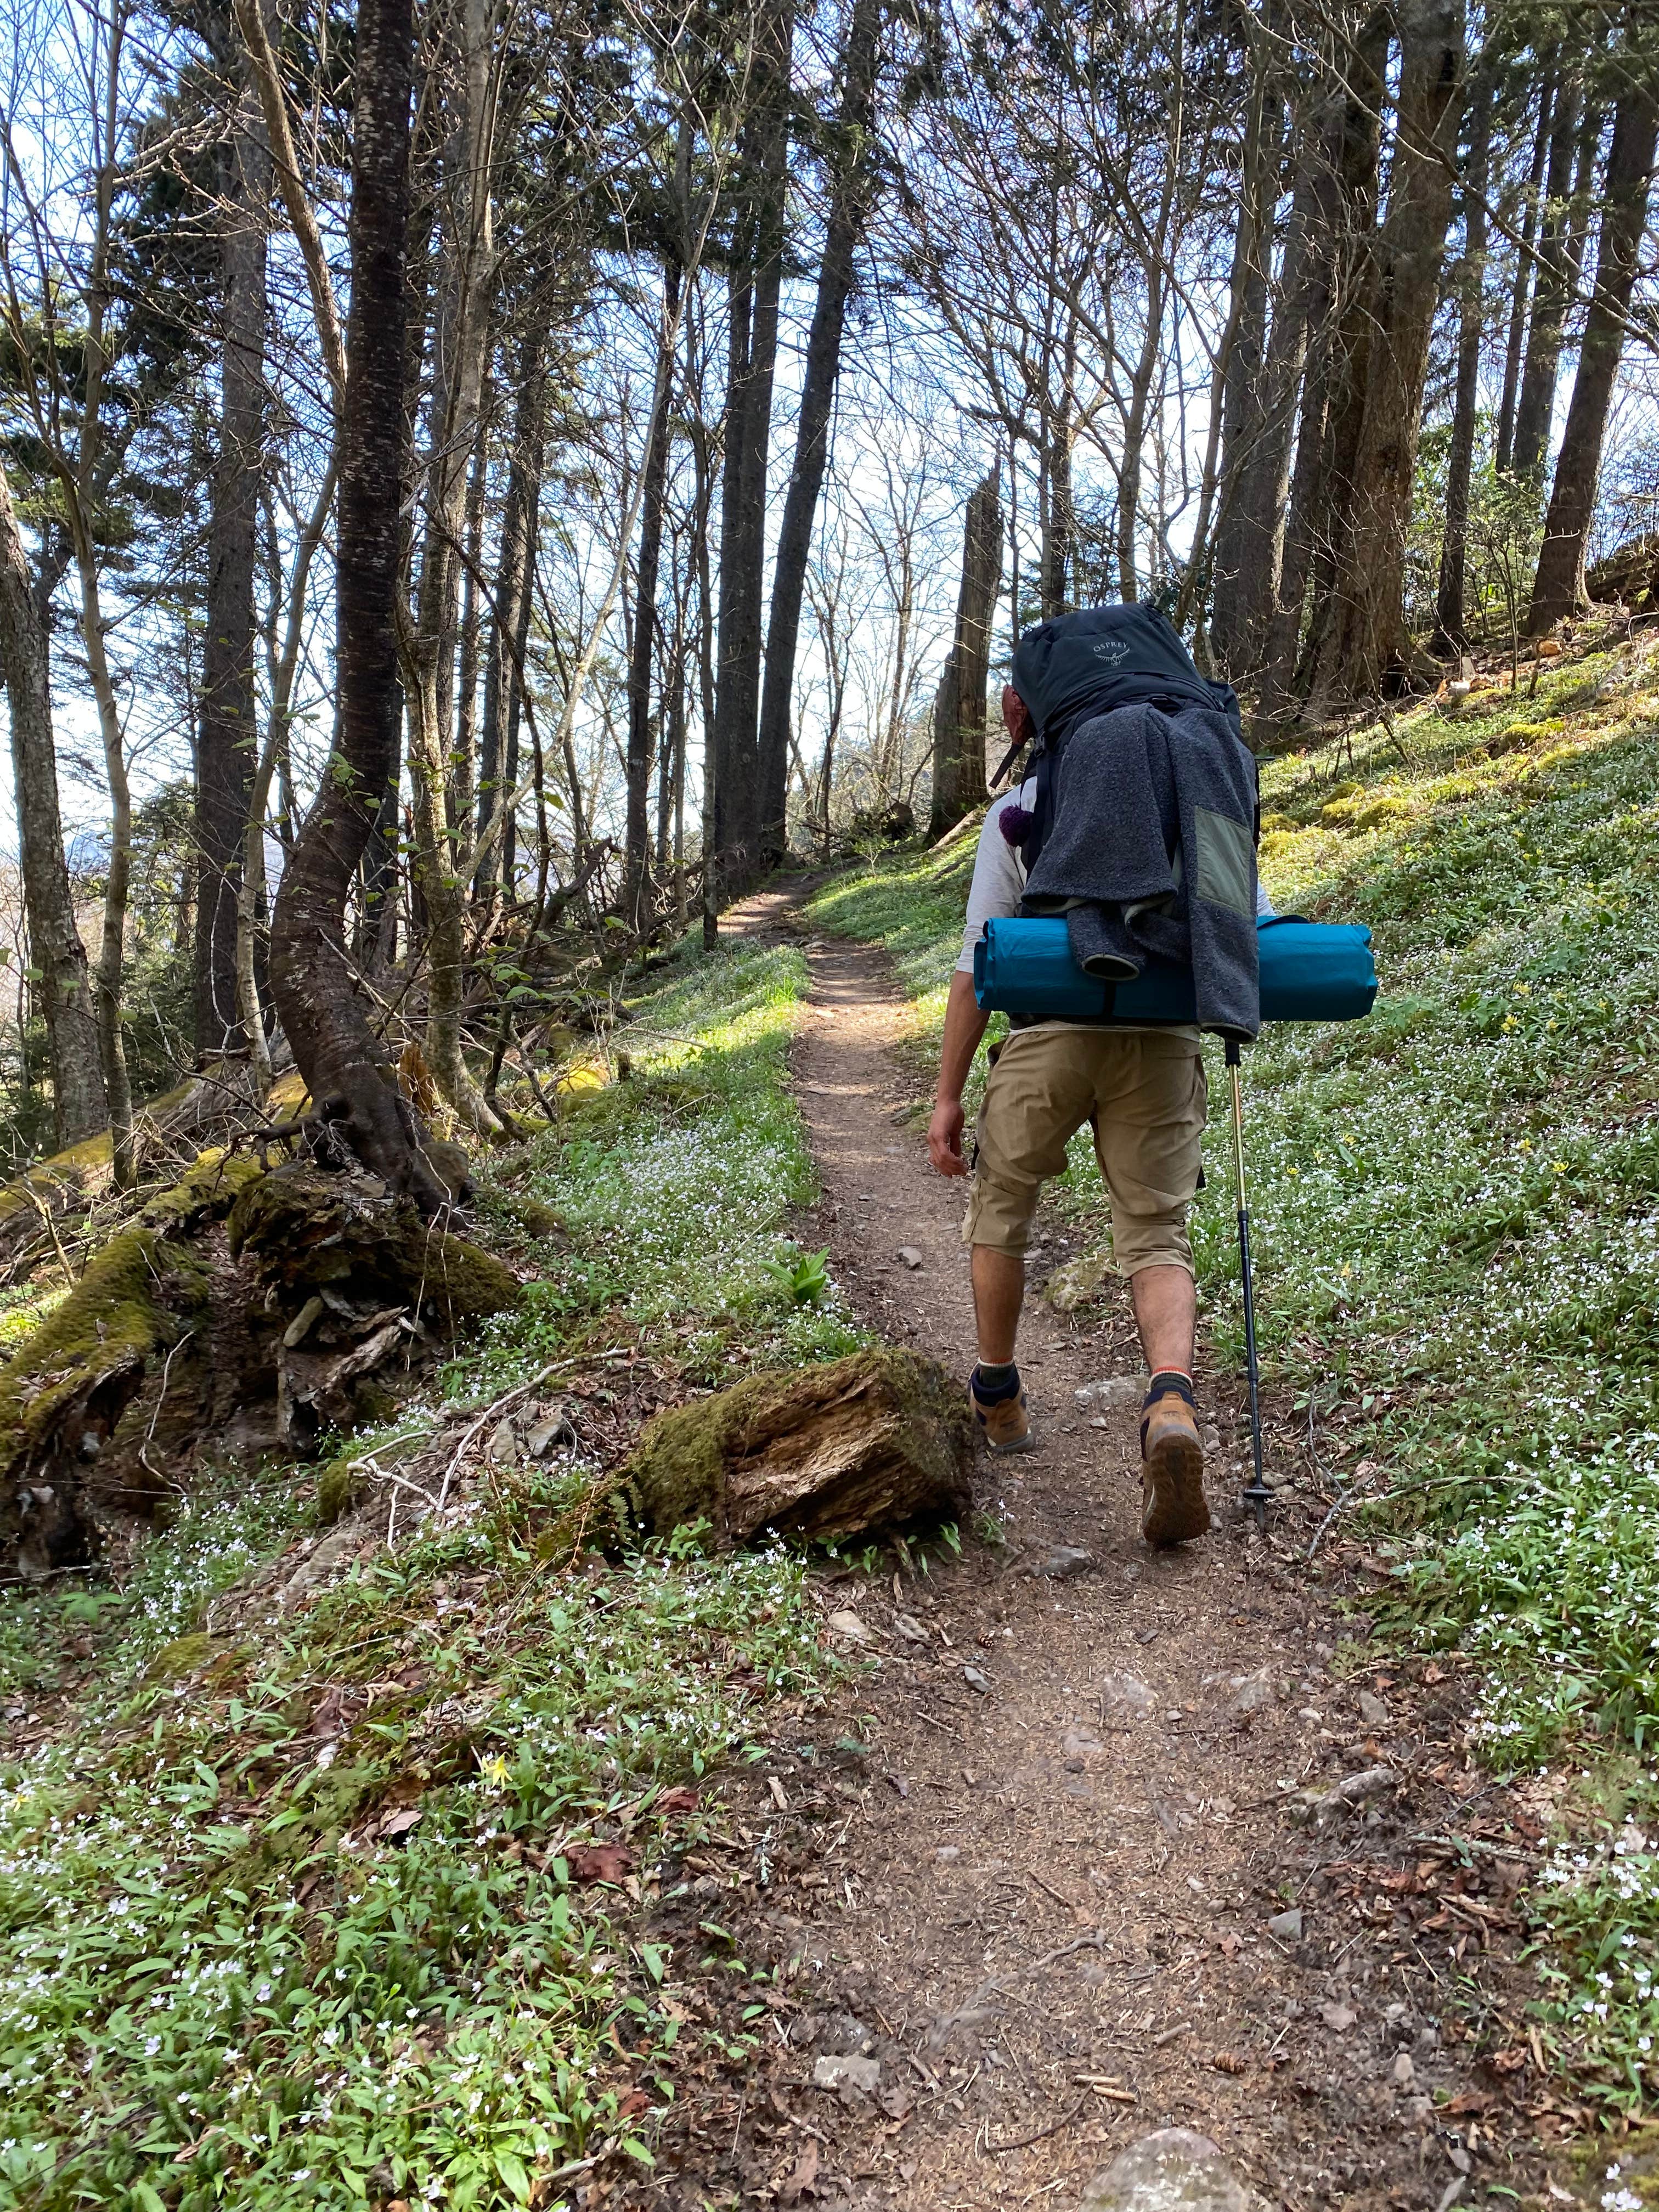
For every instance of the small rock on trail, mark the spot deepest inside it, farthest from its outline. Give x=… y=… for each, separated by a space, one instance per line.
x=1176 y=2170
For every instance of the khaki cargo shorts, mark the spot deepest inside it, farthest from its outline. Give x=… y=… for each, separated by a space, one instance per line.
x=1142 y=1089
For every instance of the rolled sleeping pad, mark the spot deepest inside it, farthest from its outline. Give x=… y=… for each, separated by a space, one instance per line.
x=1311 y=971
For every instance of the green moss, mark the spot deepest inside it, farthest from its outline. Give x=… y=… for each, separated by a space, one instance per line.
x=336 y=1487
x=210 y=1186
x=127 y=1305
x=180 y=1657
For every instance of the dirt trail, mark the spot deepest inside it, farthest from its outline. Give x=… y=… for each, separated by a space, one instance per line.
x=1042 y=1905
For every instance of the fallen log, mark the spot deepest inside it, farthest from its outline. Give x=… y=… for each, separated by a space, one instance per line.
x=879 y=1439
x=240 y=1310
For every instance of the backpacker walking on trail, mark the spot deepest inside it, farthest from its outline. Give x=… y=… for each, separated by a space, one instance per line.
x=1137 y=821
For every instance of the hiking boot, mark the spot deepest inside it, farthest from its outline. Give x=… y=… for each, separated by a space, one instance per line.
x=1172 y=1508
x=1004 y=1423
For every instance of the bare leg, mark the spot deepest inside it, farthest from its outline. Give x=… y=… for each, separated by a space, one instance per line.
x=999 y=1292
x=1166 y=1312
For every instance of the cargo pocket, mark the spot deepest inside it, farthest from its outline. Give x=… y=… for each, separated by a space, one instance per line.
x=1226 y=861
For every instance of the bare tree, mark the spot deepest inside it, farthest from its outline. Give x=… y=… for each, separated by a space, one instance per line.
x=1559 y=585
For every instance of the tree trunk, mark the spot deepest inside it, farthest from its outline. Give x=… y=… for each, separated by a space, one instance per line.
x=1340 y=322
x=1258 y=510
x=441 y=862
x=1523 y=277
x=636 y=850
x=1371 y=633
x=464 y=752
x=511 y=600
x=756 y=271
x=227 y=738
x=1243 y=411
x=853 y=178
x=1558 y=586
x=1551 y=289
x=342 y=1060
x=959 y=783
x=1450 y=636
x=63 y=990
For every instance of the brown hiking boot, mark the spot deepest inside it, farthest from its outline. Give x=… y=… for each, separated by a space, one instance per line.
x=1004 y=1423
x=1172 y=1509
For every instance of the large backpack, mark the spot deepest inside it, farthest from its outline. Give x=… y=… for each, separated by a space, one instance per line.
x=1079 y=666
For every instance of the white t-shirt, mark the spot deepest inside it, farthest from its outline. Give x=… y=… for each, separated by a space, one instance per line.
x=999 y=884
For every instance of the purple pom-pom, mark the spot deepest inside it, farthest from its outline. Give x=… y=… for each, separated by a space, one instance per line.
x=1015 y=823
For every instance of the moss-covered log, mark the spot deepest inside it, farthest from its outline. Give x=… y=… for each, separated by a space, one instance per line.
x=876 y=1440
x=190 y=1335
x=303 y=1227
x=64 y=1392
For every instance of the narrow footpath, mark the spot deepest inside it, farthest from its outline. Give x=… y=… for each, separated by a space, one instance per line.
x=1139 y=1840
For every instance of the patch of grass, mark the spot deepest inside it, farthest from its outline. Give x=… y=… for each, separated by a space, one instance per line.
x=350 y=1906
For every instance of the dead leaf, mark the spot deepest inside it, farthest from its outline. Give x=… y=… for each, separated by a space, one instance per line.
x=1467 y=2101
x=328 y=1719
x=681 y=1800
x=1510 y=2061
x=1228 y=1945
x=804 y=2181
x=598 y=1861
x=396 y=1826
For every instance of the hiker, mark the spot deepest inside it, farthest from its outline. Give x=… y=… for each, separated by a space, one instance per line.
x=1138 y=758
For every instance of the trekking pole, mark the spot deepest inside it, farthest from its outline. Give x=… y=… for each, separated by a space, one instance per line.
x=1256 y=1493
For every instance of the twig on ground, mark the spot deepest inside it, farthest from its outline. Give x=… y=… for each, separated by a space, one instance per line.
x=1022 y=2143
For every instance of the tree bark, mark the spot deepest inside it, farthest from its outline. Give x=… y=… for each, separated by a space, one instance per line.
x=1371 y=633
x=510 y=617
x=1259 y=501
x=636 y=848
x=64 y=990
x=342 y=1062
x=755 y=276
x=959 y=783
x=1559 y=585
x=1523 y=277
x=851 y=191
x=227 y=738
x=1450 y=636
x=1244 y=398
x=1551 y=289
x=442 y=863
x=1322 y=483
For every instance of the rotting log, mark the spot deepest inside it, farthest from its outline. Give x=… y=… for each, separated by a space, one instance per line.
x=302 y=1228
x=877 y=1440
x=240 y=1310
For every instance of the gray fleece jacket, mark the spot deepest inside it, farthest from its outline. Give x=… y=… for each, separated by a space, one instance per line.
x=1152 y=855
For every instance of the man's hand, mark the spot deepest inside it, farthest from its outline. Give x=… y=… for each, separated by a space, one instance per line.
x=964 y=1025
x=945 y=1137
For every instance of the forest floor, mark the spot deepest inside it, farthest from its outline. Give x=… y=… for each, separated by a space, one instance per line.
x=1042 y=1910
x=441 y=1859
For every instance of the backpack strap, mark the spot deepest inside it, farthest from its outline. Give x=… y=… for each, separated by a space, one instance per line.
x=1009 y=758
x=1042 y=811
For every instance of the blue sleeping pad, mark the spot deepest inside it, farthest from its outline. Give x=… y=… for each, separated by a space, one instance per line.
x=1311 y=971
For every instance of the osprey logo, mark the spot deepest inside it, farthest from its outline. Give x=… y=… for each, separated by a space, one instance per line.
x=1111 y=648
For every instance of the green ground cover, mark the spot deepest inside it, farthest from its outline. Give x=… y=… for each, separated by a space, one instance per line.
x=248 y=1963
x=1455 y=1213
